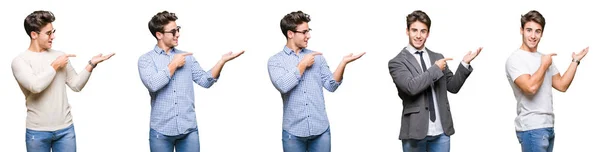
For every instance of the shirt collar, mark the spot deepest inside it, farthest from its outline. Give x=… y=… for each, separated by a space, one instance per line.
x=158 y=50
x=289 y=51
x=414 y=50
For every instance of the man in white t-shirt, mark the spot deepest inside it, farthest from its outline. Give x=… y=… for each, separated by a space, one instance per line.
x=532 y=75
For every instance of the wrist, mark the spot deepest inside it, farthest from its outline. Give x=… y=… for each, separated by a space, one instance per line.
x=92 y=64
x=576 y=61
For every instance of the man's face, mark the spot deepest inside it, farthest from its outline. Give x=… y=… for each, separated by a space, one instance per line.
x=170 y=35
x=417 y=34
x=44 y=37
x=532 y=34
x=301 y=35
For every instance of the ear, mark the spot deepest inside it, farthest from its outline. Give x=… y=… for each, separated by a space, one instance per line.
x=34 y=35
x=521 y=30
x=290 y=34
x=159 y=35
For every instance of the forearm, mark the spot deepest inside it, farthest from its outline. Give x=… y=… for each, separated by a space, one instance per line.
x=535 y=81
x=338 y=75
x=216 y=70
x=567 y=78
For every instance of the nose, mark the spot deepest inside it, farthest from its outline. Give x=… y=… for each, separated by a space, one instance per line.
x=308 y=35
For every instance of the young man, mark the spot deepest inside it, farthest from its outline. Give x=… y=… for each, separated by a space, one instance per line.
x=299 y=74
x=168 y=73
x=422 y=79
x=42 y=73
x=532 y=75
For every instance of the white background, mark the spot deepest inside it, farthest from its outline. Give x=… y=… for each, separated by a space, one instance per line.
x=243 y=111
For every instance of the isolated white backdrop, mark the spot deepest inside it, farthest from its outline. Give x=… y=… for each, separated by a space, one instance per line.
x=243 y=111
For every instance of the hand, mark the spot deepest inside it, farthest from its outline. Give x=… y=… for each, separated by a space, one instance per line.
x=441 y=63
x=547 y=59
x=349 y=58
x=179 y=59
x=61 y=61
x=230 y=56
x=470 y=56
x=581 y=54
x=99 y=58
x=309 y=59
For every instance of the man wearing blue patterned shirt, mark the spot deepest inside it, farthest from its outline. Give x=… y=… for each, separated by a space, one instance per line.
x=168 y=73
x=299 y=75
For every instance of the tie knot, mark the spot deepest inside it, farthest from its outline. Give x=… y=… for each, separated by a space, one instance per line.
x=419 y=52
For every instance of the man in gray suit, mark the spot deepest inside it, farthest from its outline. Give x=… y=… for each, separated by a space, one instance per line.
x=422 y=79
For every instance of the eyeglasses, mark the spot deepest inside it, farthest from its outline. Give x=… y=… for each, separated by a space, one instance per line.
x=49 y=32
x=173 y=31
x=303 y=32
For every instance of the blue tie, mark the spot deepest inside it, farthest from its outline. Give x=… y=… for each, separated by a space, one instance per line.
x=428 y=92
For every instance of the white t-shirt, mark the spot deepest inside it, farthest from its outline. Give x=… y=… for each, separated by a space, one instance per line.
x=533 y=111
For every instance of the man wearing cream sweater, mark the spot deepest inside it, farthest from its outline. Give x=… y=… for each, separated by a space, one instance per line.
x=42 y=74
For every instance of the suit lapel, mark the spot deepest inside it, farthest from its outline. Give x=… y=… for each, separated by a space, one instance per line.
x=432 y=57
x=412 y=61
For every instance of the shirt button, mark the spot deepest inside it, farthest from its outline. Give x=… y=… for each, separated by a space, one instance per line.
x=175 y=102
x=307 y=104
x=308 y=115
x=176 y=115
x=304 y=91
x=173 y=90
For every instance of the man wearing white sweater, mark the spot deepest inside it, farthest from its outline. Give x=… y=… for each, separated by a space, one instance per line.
x=42 y=74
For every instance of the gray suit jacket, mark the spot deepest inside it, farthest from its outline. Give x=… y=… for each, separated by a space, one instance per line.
x=411 y=83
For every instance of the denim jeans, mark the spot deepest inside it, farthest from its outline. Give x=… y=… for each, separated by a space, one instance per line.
x=62 y=140
x=181 y=143
x=316 y=143
x=536 y=140
x=439 y=143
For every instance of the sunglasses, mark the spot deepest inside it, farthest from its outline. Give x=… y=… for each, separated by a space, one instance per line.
x=173 y=31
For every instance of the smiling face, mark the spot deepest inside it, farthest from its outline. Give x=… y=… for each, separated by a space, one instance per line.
x=532 y=34
x=169 y=37
x=300 y=35
x=417 y=34
x=44 y=37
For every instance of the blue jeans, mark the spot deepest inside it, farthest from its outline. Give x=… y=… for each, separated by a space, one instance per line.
x=62 y=140
x=182 y=143
x=439 y=143
x=316 y=143
x=536 y=140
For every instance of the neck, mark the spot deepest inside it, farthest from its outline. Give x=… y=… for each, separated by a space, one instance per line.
x=528 y=49
x=292 y=46
x=35 y=47
x=164 y=47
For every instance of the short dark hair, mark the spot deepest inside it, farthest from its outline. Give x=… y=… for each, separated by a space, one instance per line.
x=36 y=20
x=534 y=16
x=158 y=22
x=420 y=16
x=292 y=20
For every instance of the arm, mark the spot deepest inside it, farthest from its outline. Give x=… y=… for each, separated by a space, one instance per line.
x=455 y=81
x=562 y=83
x=331 y=81
x=283 y=78
x=77 y=81
x=34 y=83
x=216 y=70
x=203 y=78
x=530 y=84
x=408 y=84
x=153 y=78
